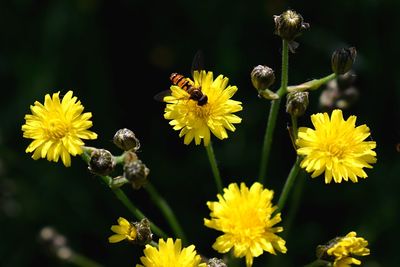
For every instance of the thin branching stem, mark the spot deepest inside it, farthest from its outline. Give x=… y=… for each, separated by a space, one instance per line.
x=214 y=167
x=167 y=212
x=273 y=113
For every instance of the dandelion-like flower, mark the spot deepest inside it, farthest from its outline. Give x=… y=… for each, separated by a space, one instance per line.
x=245 y=217
x=336 y=147
x=170 y=254
x=196 y=121
x=124 y=230
x=342 y=250
x=57 y=128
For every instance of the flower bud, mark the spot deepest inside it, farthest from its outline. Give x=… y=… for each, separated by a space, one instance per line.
x=215 y=262
x=289 y=25
x=136 y=172
x=101 y=162
x=126 y=140
x=144 y=234
x=296 y=103
x=342 y=60
x=262 y=77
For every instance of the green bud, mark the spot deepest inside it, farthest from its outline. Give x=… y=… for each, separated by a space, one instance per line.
x=126 y=140
x=342 y=60
x=262 y=77
x=289 y=25
x=101 y=162
x=296 y=103
x=136 y=172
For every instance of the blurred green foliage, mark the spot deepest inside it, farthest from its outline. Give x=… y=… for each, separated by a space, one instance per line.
x=116 y=55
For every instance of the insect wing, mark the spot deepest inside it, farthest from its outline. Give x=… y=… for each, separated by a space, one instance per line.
x=198 y=65
x=198 y=62
x=160 y=96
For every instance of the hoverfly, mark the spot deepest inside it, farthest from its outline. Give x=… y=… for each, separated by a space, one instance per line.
x=187 y=84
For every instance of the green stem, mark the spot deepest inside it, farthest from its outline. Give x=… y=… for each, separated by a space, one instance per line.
x=214 y=167
x=313 y=84
x=132 y=208
x=273 y=113
x=125 y=200
x=289 y=183
x=80 y=260
x=294 y=203
x=167 y=211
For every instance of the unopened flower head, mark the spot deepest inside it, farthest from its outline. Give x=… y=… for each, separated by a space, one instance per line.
x=101 y=162
x=341 y=251
x=196 y=121
x=336 y=147
x=170 y=254
x=126 y=140
x=296 y=103
x=262 y=77
x=289 y=25
x=245 y=217
x=57 y=128
x=342 y=60
x=124 y=230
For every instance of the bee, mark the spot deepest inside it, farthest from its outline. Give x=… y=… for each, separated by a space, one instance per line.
x=186 y=84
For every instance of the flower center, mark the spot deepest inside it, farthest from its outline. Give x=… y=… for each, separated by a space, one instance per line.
x=57 y=128
x=336 y=149
x=202 y=111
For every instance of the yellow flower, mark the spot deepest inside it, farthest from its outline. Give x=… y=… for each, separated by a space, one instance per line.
x=124 y=230
x=335 y=147
x=170 y=254
x=57 y=128
x=346 y=247
x=196 y=121
x=245 y=217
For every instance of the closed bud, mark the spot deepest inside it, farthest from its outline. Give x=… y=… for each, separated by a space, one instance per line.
x=143 y=231
x=101 y=162
x=296 y=103
x=289 y=25
x=322 y=250
x=215 y=262
x=342 y=60
x=262 y=77
x=136 y=172
x=126 y=140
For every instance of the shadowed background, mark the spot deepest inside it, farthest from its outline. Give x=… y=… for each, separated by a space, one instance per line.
x=116 y=55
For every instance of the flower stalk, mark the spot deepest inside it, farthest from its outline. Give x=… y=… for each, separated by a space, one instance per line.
x=167 y=212
x=125 y=200
x=214 y=167
x=289 y=183
x=311 y=85
x=273 y=113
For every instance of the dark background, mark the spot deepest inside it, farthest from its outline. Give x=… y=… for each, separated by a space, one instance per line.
x=116 y=55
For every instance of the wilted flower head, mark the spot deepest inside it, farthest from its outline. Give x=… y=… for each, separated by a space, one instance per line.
x=336 y=147
x=57 y=128
x=170 y=254
x=245 y=216
x=196 y=121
